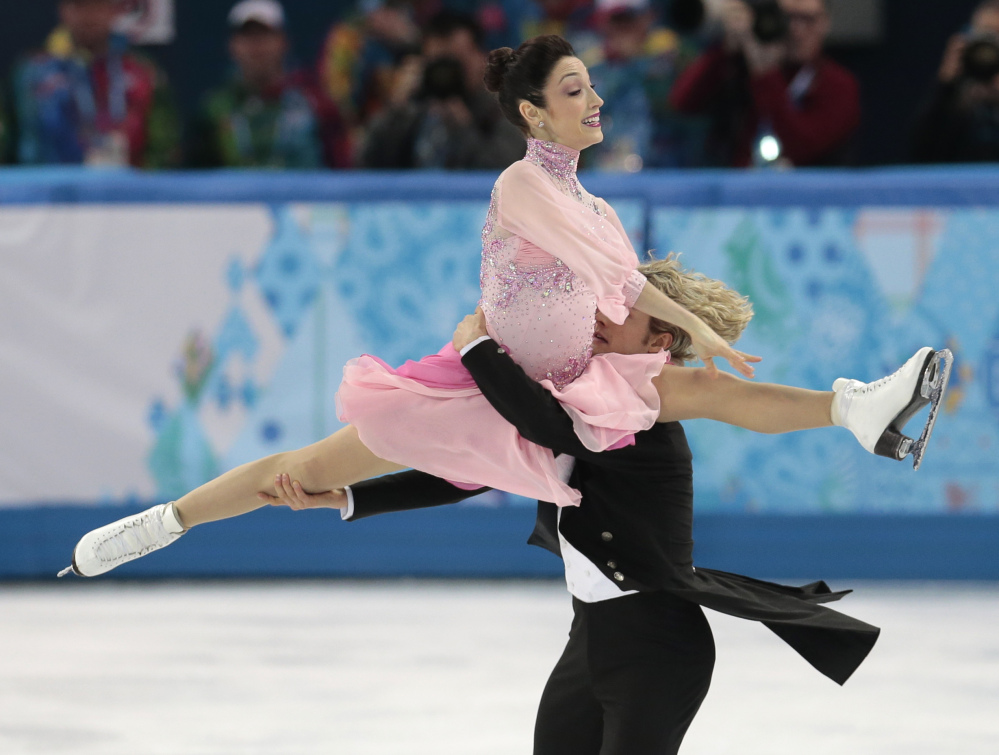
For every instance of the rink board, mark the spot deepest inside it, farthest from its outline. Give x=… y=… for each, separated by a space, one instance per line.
x=172 y=326
x=467 y=541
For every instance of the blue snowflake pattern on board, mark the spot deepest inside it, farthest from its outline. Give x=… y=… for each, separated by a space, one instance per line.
x=409 y=273
x=288 y=273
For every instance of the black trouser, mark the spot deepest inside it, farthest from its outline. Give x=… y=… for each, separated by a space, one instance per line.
x=631 y=678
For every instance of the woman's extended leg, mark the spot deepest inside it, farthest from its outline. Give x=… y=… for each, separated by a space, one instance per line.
x=691 y=393
x=341 y=459
x=876 y=413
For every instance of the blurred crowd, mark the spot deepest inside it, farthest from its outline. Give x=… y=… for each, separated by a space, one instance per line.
x=398 y=85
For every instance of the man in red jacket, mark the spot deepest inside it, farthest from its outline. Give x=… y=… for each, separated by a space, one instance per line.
x=772 y=101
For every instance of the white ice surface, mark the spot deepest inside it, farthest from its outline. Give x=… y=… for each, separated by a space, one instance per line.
x=451 y=668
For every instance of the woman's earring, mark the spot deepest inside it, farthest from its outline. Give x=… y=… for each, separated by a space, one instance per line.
x=541 y=124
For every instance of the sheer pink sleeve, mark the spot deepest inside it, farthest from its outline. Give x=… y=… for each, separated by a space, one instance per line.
x=594 y=248
x=636 y=281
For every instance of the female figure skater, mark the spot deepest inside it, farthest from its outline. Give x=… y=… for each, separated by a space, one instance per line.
x=552 y=256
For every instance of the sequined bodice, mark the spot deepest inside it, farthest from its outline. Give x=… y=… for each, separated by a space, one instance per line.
x=535 y=306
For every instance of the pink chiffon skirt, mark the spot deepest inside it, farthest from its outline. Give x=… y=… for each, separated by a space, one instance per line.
x=431 y=416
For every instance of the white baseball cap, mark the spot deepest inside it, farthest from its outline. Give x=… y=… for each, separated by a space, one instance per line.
x=266 y=12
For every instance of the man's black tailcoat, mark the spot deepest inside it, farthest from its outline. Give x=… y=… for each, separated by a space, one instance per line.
x=635 y=520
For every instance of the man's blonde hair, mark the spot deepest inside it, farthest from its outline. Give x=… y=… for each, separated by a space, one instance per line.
x=725 y=310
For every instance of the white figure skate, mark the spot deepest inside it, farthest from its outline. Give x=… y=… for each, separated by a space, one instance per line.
x=114 y=544
x=876 y=413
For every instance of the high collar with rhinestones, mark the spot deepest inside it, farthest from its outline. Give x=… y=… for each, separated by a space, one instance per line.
x=557 y=159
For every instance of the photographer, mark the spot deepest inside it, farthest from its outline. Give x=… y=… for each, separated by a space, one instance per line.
x=960 y=121
x=444 y=117
x=771 y=95
x=634 y=73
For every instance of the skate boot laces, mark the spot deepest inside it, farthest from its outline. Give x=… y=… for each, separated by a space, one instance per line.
x=865 y=388
x=132 y=539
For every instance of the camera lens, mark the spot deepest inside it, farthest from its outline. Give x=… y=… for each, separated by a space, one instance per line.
x=981 y=59
x=686 y=16
x=769 y=21
x=443 y=78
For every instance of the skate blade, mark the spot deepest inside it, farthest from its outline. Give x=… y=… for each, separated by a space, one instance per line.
x=936 y=385
x=71 y=569
x=929 y=390
x=935 y=373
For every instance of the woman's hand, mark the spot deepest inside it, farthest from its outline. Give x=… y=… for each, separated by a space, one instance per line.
x=708 y=345
x=469 y=329
x=293 y=495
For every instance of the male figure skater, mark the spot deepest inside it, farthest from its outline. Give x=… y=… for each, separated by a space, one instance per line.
x=640 y=654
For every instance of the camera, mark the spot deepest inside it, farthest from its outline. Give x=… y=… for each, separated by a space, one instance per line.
x=980 y=60
x=686 y=16
x=443 y=78
x=770 y=23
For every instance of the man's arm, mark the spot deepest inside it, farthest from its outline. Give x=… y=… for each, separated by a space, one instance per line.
x=522 y=402
x=381 y=495
x=535 y=413
x=404 y=491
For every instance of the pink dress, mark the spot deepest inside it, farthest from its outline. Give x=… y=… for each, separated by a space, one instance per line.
x=551 y=255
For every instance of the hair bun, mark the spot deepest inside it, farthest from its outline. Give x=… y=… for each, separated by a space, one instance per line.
x=499 y=61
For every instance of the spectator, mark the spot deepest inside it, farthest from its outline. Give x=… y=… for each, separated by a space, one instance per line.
x=639 y=63
x=359 y=63
x=88 y=99
x=498 y=20
x=571 y=19
x=508 y=23
x=960 y=120
x=266 y=116
x=449 y=119
x=766 y=99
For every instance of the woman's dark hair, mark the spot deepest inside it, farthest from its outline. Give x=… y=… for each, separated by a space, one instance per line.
x=521 y=74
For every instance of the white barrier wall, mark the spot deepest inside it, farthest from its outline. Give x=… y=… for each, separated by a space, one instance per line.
x=97 y=304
